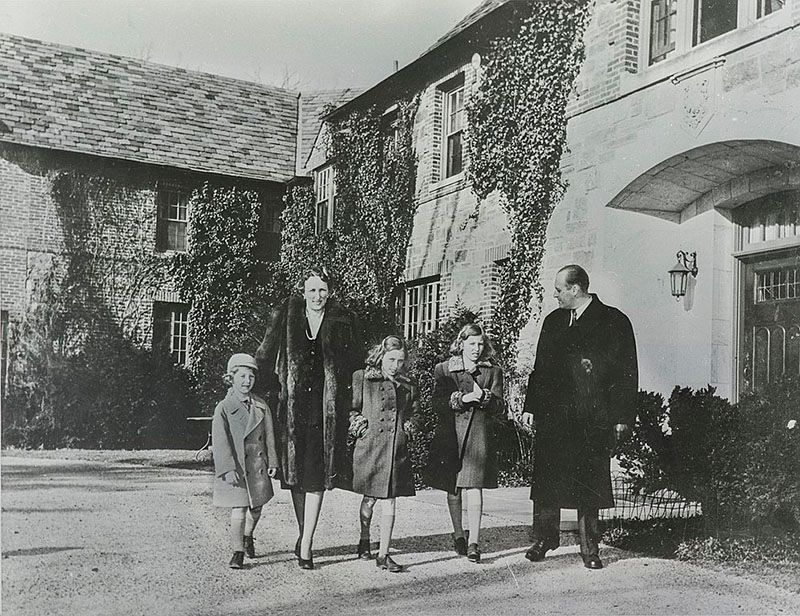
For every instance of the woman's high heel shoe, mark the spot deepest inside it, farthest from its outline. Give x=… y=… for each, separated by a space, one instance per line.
x=305 y=564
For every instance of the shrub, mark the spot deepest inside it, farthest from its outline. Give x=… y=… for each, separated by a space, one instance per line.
x=767 y=454
x=741 y=462
x=109 y=395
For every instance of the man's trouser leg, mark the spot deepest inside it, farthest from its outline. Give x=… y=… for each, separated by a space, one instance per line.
x=589 y=530
x=546 y=523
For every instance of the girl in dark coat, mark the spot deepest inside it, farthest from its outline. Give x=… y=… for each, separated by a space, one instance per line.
x=245 y=456
x=309 y=353
x=383 y=402
x=463 y=457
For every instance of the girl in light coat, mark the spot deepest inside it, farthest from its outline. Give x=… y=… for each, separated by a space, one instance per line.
x=383 y=402
x=245 y=456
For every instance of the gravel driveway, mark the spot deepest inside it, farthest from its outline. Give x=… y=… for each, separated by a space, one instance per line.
x=82 y=537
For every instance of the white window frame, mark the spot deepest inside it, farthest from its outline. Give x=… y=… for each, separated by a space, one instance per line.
x=324 y=194
x=421 y=307
x=747 y=15
x=178 y=333
x=179 y=336
x=453 y=108
x=175 y=204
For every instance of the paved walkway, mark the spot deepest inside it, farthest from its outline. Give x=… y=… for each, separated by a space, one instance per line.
x=92 y=538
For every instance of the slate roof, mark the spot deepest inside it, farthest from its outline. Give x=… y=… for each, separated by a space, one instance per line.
x=312 y=108
x=480 y=11
x=64 y=98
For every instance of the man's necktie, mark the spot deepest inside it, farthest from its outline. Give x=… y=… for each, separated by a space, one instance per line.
x=573 y=317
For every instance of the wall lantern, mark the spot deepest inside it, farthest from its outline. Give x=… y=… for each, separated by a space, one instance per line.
x=679 y=273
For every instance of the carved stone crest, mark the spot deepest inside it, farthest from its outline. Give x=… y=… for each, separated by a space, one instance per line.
x=698 y=96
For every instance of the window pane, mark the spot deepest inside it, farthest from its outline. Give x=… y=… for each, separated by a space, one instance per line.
x=663 y=23
x=4 y=351
x=421 y=309
x=767 y=7
x=322 y=217
x=454 y=161
x=777 y=284
x=171 y=330
x=713 y=18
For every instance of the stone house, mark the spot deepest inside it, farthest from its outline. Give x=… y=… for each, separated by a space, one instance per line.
x=683 y=135
x=154 y=132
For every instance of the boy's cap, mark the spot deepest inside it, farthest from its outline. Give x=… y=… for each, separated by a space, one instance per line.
x=239 y=360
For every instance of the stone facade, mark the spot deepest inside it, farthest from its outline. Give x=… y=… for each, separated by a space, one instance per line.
x=660 y=158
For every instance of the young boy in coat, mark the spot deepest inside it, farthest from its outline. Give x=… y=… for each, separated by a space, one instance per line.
x=245 y=456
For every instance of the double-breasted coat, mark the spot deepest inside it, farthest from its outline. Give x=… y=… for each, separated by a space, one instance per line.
x=244 y=441
x=584 y=381
x=283 y=358
x=381 y=463
x=463 y=452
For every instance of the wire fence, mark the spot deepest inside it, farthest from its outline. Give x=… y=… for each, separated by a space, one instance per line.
x=633 y=504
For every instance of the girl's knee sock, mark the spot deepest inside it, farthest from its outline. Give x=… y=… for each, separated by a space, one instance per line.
x=238 y=515
x=253 y=516
x=387 y=525
x=474 y=513
x=365 y=516
x=454 y=506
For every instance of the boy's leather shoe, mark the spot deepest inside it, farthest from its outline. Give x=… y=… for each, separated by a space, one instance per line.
x=473 y=553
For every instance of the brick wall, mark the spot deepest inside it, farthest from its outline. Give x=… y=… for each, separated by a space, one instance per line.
x=612 y=51
x=33 y=238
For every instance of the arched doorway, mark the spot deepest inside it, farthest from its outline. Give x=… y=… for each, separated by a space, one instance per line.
x=769 y=257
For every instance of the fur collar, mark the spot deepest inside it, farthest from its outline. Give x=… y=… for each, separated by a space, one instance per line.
x=456 y=364
x=374 y=374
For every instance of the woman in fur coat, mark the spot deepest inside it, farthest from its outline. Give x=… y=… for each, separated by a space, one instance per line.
x=463 y=458
x=309 y=353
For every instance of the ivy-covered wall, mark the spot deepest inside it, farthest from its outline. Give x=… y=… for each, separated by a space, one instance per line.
x=365 y=250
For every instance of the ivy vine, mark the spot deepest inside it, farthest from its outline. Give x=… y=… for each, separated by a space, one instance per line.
x=375 y=170
x=109 y=269
x=516 y=137
x=227 y=279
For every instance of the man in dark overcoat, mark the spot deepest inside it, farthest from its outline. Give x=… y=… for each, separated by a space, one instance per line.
x=581 y=398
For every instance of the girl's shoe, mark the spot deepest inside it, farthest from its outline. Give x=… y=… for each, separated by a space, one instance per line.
x=460 y=544
x=364 y=552
x=237 y=561
x=386 y=562
x=249 y=547
x=473 y=553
